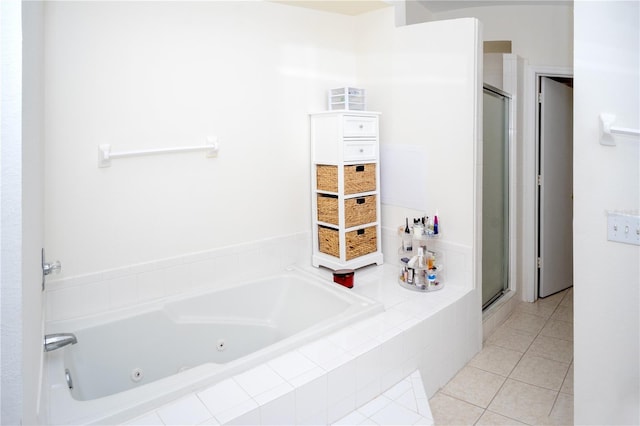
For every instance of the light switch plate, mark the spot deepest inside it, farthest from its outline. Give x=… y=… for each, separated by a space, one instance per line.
x=623 y=228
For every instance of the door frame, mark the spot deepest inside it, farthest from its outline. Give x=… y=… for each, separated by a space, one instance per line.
x=530 y=147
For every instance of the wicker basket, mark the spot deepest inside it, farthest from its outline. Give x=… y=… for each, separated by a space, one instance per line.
x=358 y=211
x=328 y=208
x=357 y=178
x=358 y=243
x=327 y=178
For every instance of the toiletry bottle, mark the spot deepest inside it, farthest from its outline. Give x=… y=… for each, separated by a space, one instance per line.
x=435 y=224
x=421 y=263
x=431 y=277
x=406 y=237
x=431 y=260
x=418 y=229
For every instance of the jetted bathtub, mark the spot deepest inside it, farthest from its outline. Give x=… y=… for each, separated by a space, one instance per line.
x=134 y=360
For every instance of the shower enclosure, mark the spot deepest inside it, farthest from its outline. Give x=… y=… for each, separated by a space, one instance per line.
x=495 y=194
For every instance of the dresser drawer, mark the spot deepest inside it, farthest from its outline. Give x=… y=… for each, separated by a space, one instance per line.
x=359 y=151
x=359 y=127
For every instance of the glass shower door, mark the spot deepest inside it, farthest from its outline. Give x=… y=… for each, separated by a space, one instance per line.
x=495 y=196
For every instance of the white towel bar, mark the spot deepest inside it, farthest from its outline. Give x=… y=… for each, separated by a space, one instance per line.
x=607 y=131
x=105 y=155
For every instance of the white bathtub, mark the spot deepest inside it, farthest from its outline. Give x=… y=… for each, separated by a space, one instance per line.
x=134 y=360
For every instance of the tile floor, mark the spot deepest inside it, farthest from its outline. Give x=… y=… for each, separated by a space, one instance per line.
x=523 y=375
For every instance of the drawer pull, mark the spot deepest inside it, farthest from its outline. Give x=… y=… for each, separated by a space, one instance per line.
x=360 y=231
x=360 y=168
x=361 y=126
x=360 y=200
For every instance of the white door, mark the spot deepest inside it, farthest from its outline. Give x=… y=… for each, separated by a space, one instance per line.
x=555 y=247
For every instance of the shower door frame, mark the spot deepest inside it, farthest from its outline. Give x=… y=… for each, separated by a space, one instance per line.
x=509 y=288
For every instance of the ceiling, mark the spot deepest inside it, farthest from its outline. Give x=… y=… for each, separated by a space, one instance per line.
x=345 y=7
x=436 y=6
x=356 y=7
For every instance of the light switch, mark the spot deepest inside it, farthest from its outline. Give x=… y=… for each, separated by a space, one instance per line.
x=623 y=228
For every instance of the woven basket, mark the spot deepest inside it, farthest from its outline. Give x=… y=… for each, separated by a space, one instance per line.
x=357 y=211
x=327 y=178
x=328 y=208
x=359 y=178
x=360 y=210
x=328 y=241
x=359 y=242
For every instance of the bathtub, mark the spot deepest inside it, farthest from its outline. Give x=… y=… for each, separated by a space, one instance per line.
x=130 y=361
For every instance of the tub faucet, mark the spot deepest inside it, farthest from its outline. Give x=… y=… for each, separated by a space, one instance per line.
x=58 y=340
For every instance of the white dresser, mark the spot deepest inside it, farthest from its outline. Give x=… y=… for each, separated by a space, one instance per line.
x=345 y=189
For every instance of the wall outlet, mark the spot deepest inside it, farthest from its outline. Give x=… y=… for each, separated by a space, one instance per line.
x=623 y=228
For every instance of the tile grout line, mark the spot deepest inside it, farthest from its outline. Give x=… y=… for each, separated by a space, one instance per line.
x=520 y=360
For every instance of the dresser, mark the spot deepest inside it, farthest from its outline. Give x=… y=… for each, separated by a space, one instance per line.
x=345 y=189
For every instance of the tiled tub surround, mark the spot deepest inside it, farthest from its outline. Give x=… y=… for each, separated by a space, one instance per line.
x=132 y=356
x=327 y=379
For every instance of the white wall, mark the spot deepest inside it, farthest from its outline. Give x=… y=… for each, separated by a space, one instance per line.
x=161 y=74
x=11 y=214
x=424 y=79
x=542 y=34
x=33 y=206
x=606 y=307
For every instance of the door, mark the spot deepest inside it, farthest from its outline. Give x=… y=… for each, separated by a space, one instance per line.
x=495 y=195
x=555 y=187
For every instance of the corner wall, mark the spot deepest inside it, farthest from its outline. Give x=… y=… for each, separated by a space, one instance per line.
x=144 y=75
x=606 y=309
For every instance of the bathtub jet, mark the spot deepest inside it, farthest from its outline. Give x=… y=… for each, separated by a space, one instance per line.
x=58 y=340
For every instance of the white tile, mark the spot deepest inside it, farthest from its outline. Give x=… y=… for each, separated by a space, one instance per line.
x=424 y=421
x=374 y=406
x=353 y=418
x=424 y=408
x=418 y=387
x=399 y=389
x=340 y=408
x=368 y=366
x=149 y=419
x=307 y=377
x=349 y=338
x=341 y=382
x=280 y=411
x=246 y=413
x=291 y=364
x=368 y=392
x=186 y=411
x=311 y=398
x=273 y=394
x=408 y=400
x=223 y=396
x=322 y=352
x=395 y=414
x=123 y=291
x=258 y=380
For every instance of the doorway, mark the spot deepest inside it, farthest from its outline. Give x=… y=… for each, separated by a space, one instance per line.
x=495 y=194
x=554 y=200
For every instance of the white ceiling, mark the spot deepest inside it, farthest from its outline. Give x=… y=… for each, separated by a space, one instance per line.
x=356 y=7
x=345 y=7
x=436 y=6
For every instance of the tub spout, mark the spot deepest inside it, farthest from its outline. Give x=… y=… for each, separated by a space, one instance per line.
x=58 y=340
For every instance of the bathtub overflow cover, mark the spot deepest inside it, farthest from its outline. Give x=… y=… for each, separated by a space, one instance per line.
x=221 y=345
x=137 y=374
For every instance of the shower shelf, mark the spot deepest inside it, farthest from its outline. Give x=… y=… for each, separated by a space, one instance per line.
x=420 y=281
